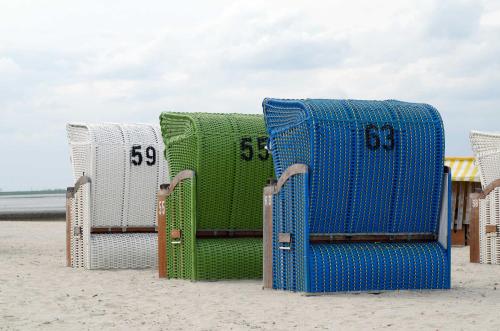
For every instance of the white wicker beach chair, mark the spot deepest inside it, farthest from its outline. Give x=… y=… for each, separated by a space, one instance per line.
x=111 y=210
x=486 y=205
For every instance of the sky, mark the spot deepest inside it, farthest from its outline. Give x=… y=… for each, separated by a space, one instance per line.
x=127 y=61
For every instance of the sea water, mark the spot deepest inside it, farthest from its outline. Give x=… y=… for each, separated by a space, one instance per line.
x=32 y=203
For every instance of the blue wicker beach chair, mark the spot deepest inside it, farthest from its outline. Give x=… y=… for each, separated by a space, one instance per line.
x=362 y=197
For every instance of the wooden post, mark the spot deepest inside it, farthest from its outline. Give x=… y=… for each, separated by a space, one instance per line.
x=474 y=228
x=454 y=196
x=461 y=206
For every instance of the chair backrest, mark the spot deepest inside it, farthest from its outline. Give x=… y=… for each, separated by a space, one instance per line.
x=125 y=166
x=227 y=153
x=375 y=166
x=486 y=148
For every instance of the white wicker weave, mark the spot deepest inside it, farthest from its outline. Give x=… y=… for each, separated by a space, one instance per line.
x=486 y=148
x=124 y=250
x=489 y=214
x=125 y=165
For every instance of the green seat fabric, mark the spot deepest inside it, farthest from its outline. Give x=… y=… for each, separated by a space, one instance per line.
x=231 y=165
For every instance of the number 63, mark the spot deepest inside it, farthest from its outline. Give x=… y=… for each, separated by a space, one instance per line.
x=372 y=137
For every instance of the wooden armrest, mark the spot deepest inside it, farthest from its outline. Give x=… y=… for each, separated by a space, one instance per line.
x=183 y=175
x=294 y=169
x=71 y=191
x=488 y=189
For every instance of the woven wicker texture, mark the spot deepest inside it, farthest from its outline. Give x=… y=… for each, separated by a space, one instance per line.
x=124 y=164
x=489 y=214
x=180 y=214
x=123 y=251
x=378 y=266
x=227 y=154
x=486 y=148
x=79 y=212
x=229 y=258
x=375 y=167
x=290 y=269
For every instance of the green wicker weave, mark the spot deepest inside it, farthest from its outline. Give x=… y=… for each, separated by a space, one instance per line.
x=231 y=165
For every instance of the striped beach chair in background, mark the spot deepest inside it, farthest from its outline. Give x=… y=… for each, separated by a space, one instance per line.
x=210 y=216
x=485 y=224
x=361 y=201
x=111 y=210
x=465 y=180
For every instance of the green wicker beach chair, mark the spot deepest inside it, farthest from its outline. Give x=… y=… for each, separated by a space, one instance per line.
x=210 y=216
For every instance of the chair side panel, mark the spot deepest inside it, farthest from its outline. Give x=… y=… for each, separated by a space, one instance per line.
x=489 y=217
x=179 y=213
x=290 y=260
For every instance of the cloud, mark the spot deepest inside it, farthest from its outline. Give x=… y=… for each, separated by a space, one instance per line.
x=454 y=19
x=125 y=62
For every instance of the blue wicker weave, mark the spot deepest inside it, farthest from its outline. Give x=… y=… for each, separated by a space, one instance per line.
x=374 y=168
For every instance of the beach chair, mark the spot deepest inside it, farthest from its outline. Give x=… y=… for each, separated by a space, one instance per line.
x=485 y=242
x=465 y=180
x=111 y=210
x=362 y=197
x=210 y=216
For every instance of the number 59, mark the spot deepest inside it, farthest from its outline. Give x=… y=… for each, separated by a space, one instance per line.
x=136 y=155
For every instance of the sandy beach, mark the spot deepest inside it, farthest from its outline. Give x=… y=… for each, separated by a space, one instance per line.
x=38 y=292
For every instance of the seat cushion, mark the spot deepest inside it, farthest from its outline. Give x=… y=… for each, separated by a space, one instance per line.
x=378 y=266
x=236 y=258
x=122 y=251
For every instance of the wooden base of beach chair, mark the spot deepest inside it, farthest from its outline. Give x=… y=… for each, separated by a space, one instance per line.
x=458 y=237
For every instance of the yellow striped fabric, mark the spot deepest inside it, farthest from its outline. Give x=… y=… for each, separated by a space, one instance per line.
x=463 y=169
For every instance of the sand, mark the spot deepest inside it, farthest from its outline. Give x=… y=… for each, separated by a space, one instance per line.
x=38 y=292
